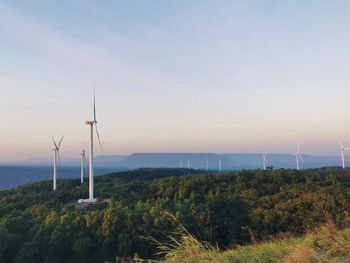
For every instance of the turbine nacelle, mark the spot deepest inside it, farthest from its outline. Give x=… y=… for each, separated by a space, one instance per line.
x=90 y=122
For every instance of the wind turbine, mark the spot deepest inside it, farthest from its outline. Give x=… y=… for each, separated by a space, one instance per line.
x=56 y=153
x=264 y=159
x=91 y=165
x=298 y=157
x=342 y=153
x=83 y=165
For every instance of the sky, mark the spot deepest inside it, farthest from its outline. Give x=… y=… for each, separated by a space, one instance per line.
x=174 y=76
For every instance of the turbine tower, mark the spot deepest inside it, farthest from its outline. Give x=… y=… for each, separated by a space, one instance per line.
x=264 y=159
x=91 y=165
x=298 y=157
x=83 y=165
x=56 y=153
x=342 y=154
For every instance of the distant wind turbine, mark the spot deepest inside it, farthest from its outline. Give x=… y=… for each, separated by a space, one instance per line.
x=264 y=159
x=298 y=157
x=83 y=165
x=56 y=153
x=342 y=154
x=91 y=165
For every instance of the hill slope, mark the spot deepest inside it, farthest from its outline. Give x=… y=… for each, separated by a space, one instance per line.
x=37 y=224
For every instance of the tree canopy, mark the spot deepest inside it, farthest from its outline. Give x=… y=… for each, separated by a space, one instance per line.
x=37 y=224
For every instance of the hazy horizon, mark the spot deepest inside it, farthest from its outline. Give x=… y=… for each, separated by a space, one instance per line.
x=75 y=160
x=184 y=76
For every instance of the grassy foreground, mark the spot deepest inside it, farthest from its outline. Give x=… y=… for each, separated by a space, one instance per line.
x=326 y=244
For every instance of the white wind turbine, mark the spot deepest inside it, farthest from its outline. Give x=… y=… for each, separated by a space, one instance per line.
x=342 y=154
x=91 y=165
x=264 y=160
x=56 y=153
x=83 y=165
x=298 y=157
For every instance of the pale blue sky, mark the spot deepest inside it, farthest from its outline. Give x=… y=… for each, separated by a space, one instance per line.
x=184 y=76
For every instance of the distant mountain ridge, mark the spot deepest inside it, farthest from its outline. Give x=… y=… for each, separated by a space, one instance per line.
x=171 y=160
x=229 y=161
x=18 y=173
x=100 y=160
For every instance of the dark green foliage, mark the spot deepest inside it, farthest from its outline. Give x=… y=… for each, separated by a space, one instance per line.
x=37 y=224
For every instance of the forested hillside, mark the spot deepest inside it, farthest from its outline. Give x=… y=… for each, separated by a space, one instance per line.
x=37 y=224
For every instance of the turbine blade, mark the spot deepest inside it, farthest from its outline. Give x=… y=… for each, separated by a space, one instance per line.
x=84 y=161
x=54 y=142
x=299 y=156
x=59 y=157
x=85 y=164
x=94 y=104
x=98 y=136
x=59 y=144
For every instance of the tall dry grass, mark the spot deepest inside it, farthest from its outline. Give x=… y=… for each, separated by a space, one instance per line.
x=182 y=246
x=322 y=245
x=326 y=244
